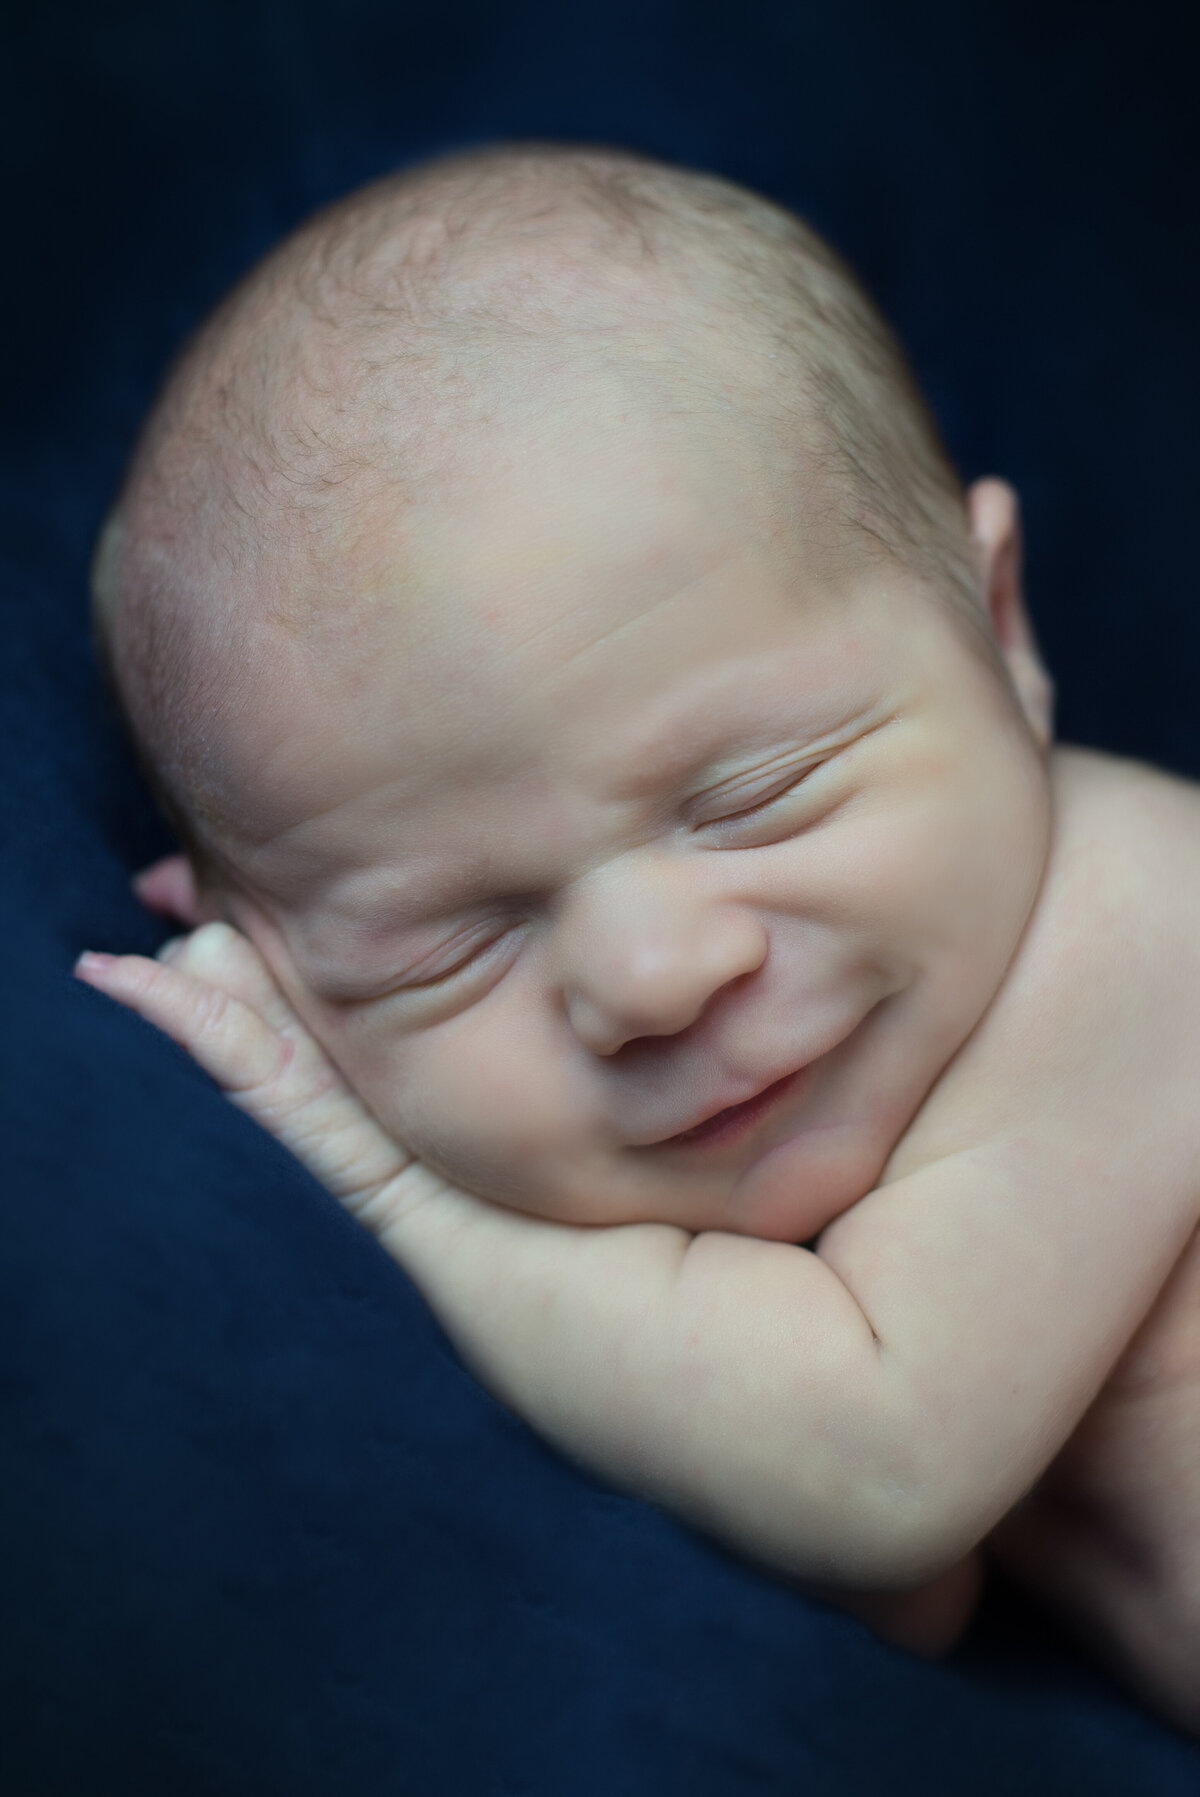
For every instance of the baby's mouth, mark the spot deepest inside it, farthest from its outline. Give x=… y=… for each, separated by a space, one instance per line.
x=737 y=1120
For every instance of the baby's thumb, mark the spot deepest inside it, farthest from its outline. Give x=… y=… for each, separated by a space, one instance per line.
x=227 y=1037
x=214 y=996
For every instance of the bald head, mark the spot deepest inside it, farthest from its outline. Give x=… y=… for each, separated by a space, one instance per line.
x=381 y=353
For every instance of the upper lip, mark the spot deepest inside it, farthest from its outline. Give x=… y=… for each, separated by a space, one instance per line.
x=730 y=1104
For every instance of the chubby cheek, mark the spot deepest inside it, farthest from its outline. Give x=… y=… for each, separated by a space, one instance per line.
x=961 y=867
x=989 y=887
x=482 y=1099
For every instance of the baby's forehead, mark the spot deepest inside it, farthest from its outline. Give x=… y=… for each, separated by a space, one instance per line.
x=548 y=440
x=554 y=520
x=495 y=738
x=556 y=586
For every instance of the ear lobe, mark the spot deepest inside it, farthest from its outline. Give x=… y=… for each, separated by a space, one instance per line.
x=996 y=530
x=169 y=888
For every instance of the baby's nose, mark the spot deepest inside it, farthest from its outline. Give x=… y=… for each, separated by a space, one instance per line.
x=645 y=961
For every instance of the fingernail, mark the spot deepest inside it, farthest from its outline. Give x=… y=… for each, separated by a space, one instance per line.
x=92 y=962
x=170 y=948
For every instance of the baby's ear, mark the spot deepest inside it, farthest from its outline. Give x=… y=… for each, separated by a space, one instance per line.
x=996 y=529
x=170 y=888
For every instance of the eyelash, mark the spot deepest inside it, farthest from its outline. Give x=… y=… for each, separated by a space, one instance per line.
x=749 y=812
x=470 y=956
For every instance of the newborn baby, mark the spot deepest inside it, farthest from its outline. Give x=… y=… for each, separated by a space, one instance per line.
x=550 y=620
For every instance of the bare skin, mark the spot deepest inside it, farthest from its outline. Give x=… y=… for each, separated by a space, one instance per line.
x=213 y=994
x=645 y=852
x=1111 y=1535
x=588 y=836
x=1111 y=1531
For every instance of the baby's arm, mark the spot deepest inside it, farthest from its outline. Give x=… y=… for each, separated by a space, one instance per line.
x=859 y=1417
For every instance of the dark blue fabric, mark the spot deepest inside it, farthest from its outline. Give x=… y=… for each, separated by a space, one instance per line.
x=260 y=1532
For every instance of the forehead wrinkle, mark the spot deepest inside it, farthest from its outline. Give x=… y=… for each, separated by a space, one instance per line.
x=610 y=635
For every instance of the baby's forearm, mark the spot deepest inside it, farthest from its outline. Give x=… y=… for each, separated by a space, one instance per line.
x=859 y=1416
x=734 y=1381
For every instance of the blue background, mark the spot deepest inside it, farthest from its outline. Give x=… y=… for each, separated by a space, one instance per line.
x=260 y=1532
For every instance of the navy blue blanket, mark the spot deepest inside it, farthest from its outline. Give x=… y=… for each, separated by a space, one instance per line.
x=259 y=1532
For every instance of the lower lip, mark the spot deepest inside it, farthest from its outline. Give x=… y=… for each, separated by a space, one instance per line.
x=731 y=1125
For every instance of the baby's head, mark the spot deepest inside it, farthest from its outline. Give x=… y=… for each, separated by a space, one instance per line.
x=549 y=617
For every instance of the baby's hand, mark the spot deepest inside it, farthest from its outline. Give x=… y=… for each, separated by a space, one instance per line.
x=499 y=1282
x=212 y=993
x=545 y=1312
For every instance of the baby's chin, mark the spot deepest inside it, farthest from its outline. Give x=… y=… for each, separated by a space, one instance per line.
x=772 y=1198
x=596 y=1188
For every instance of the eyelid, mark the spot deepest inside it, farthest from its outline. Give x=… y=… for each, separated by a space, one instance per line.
x=755 y=790
x=730 y=805
x=455 y=955
x=481 y=947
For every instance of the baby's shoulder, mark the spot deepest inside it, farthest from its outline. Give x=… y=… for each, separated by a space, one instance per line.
x=1125 y=855
x=1111 y=956
x=1112 y=948
x=1094 y=1034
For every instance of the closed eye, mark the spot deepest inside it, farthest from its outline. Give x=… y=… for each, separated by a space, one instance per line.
x=767 y=808
x=464 y=953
